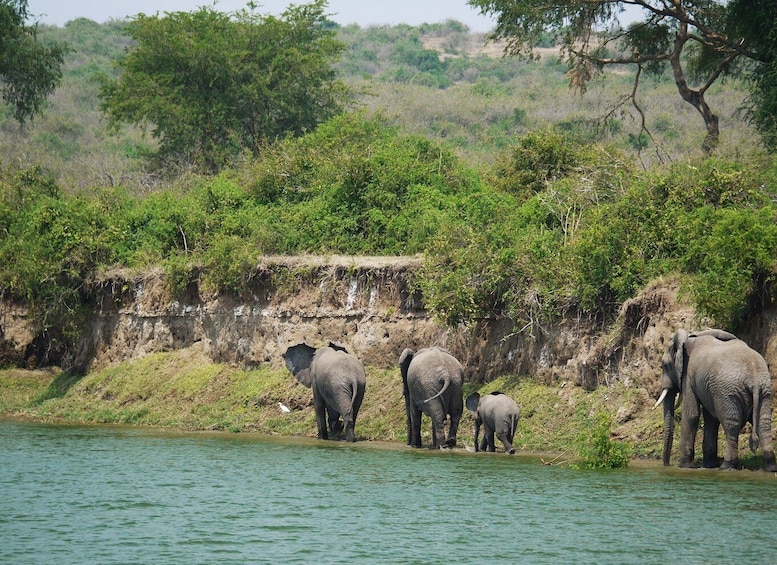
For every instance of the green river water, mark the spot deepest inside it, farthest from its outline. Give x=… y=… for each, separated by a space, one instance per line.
x=127 y=495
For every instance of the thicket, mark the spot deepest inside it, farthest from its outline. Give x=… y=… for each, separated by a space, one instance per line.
x=560 y=217
x=555 y=226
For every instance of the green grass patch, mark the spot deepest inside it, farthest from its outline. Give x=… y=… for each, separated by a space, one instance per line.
x=184 y=390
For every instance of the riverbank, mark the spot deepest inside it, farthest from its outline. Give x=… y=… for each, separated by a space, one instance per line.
x=184 y=390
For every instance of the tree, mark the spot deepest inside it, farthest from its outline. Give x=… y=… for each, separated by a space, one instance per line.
x=29 y=70
x=212 y=84
x=756 y=21
x=698 y=39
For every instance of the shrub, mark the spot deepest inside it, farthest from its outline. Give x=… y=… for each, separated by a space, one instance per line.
x=595 y=447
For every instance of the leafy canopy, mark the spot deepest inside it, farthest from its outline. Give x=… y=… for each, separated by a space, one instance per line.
x=756 y=21
x=701 y=41
x=557 y=227
x=212 y=84
x=29 y=70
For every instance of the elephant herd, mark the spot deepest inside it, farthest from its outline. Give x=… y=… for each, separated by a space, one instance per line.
x=712 y=372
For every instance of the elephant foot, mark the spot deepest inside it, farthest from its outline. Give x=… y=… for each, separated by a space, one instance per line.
x=451 y=442
x=770 y=466
x=730 y=465
x=712 y=463
x=688 y=464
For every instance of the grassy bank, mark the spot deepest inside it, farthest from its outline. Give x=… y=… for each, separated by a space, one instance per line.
x=184 y=390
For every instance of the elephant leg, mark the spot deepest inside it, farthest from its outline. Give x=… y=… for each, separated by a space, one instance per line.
x=490 y=439
x=484 y=443
x=731 y=457
x=765 y=435
x=335 y=424
x=507 y=441
x=453 y=430
x=350 y=435
x=770 y=465
x=688 y=428
x=408 y=410
x=415 y=428
x=477 y=433
x=709 y=444
x=321 y=419
x=438 y=433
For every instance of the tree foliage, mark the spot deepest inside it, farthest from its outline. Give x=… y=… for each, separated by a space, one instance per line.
x=211 y=84
x=29 y=69
x=755 y=20
x=568 y=227
x=701 y=41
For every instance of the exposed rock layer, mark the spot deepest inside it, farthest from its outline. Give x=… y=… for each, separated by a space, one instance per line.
x=369 y=305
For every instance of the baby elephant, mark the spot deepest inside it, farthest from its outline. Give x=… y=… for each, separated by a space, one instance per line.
x=499 y=414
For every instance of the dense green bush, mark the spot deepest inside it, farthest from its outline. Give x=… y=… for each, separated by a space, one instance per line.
x=595 y=447
x=555 y=227
x=580 y=230
x=356 y=186
x=50 y=247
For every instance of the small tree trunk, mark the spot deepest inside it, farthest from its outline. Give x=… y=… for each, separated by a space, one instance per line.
x=694 y=97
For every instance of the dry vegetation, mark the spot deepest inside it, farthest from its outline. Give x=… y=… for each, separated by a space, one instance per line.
x=477 y=102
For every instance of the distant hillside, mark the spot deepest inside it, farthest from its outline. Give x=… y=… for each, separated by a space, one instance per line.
x=438 y=80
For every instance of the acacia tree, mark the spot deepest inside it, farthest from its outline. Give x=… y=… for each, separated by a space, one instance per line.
x=698 y=39
x=29 y=70
x=212 y=84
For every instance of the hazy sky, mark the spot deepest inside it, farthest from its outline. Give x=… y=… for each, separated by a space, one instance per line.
x=344 y=12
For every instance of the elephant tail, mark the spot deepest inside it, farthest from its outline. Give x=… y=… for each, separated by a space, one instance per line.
x=354 y=395
x=442 y=390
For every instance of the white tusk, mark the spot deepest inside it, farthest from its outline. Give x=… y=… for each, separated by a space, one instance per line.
x=660 y=398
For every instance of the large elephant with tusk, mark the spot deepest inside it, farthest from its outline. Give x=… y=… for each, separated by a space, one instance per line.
x=720 y=377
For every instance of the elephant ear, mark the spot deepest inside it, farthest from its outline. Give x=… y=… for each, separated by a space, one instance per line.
x=298 y=359
x=472 y=402
x=337 y=347
x=404 y=363
x=680 y=337
x=721 y=335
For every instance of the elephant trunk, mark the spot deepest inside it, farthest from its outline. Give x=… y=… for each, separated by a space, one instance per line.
x=668 y=424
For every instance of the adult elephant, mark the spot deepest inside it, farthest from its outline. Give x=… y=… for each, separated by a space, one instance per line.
x=498 y=414
x=719 y=376
x=338 y=382
x=432 y=384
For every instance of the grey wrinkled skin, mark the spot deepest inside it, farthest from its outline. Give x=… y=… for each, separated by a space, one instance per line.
x=719 y=376
x=338 y=381
x=432 y=382
x=498 y=414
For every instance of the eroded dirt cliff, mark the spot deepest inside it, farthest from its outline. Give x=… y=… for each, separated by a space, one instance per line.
x=370 y=305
